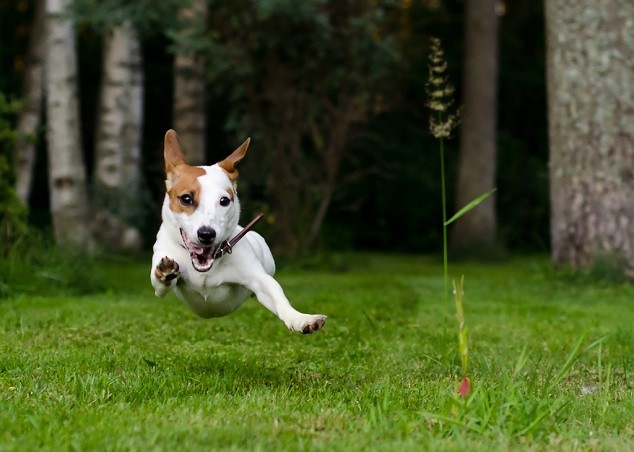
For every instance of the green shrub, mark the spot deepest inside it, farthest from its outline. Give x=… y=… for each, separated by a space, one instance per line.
x=29 y=260
x=34 y=265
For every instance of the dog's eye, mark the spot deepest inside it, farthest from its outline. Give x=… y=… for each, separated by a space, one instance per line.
x=186 y=200
x=224 y=201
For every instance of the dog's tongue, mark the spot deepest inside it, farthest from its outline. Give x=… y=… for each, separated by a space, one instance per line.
x=195 y=249
x=201 y=257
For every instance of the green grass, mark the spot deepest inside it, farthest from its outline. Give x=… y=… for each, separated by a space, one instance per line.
x=122 y=370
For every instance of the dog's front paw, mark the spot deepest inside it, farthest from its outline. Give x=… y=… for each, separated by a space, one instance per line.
x=166 y=271
x=307 y=323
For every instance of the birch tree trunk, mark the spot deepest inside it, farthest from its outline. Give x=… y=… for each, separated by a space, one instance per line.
x=590 y=80
x=67 y=174
x=31 y=113
x=117 y=181
x=189 y=117
x=476 y=232
x=133 y=141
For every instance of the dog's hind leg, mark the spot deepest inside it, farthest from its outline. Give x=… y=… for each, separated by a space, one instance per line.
x=270 y=294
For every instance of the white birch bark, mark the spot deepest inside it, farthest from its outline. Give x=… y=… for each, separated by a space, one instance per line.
x=133 y=140
x=118 y=146
x=67 y=174
x=189 y=117
x=31 y=113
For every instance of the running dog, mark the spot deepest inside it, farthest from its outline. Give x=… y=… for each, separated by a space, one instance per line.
x=203 y=255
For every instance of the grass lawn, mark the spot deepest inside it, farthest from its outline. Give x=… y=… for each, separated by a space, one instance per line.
x=122 y=370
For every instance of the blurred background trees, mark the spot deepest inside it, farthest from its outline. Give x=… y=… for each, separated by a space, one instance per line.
x=190 y=79
x=305 y=78
x=332 y=93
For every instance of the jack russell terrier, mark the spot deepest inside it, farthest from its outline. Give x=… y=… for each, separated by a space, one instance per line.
x=201 y=253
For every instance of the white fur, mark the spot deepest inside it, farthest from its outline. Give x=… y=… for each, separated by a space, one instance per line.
x=233 y=277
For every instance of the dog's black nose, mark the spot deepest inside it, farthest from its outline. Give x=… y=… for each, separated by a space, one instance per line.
x=206 y=235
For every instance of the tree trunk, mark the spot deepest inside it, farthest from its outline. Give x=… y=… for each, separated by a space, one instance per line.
x=475 y=232
x=67 y=174
x=31 y=113
x=133 y=139
x=189 y=117
x=590 y=70
x=118 y=148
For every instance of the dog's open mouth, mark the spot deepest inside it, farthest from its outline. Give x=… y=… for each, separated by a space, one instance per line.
x=202 y=256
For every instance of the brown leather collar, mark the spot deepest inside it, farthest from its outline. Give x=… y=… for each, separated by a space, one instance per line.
x=226 y=247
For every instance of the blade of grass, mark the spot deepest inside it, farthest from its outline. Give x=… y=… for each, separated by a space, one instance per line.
x=606 y=392
x=449 y=420
x=473 y=203
x=539 y=418
x=521 y=362
x=572 y=357
x=601 y=340
x=367 y=316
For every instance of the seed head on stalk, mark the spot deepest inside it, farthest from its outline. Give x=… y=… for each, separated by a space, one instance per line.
x=440 y=94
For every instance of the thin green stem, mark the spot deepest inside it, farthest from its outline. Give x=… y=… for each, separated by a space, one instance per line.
x=444 y=221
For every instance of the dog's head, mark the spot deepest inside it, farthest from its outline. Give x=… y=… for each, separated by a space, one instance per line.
x=202 y=201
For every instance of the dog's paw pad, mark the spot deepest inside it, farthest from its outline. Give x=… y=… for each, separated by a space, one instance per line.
x=314 y=324
x=167 y=270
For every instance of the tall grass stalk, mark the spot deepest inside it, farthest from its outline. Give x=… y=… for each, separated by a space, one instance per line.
x=444 y=220
x=441 y=122
x=463 y=343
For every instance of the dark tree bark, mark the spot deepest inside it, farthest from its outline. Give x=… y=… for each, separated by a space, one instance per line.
x=590 y=67
x=476 y=231
x=190 y=119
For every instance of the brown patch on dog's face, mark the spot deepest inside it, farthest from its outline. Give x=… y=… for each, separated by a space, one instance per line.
x=183 y=188
x=181 y=182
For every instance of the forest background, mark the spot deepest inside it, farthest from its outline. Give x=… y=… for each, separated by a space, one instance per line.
x=333 y=95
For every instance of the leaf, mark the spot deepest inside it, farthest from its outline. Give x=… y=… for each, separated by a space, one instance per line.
x=599 y=341
x=465 y=387
x=470 y=206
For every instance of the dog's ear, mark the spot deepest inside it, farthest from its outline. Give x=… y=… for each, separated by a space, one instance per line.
x=229 y=164
x=172 y=151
